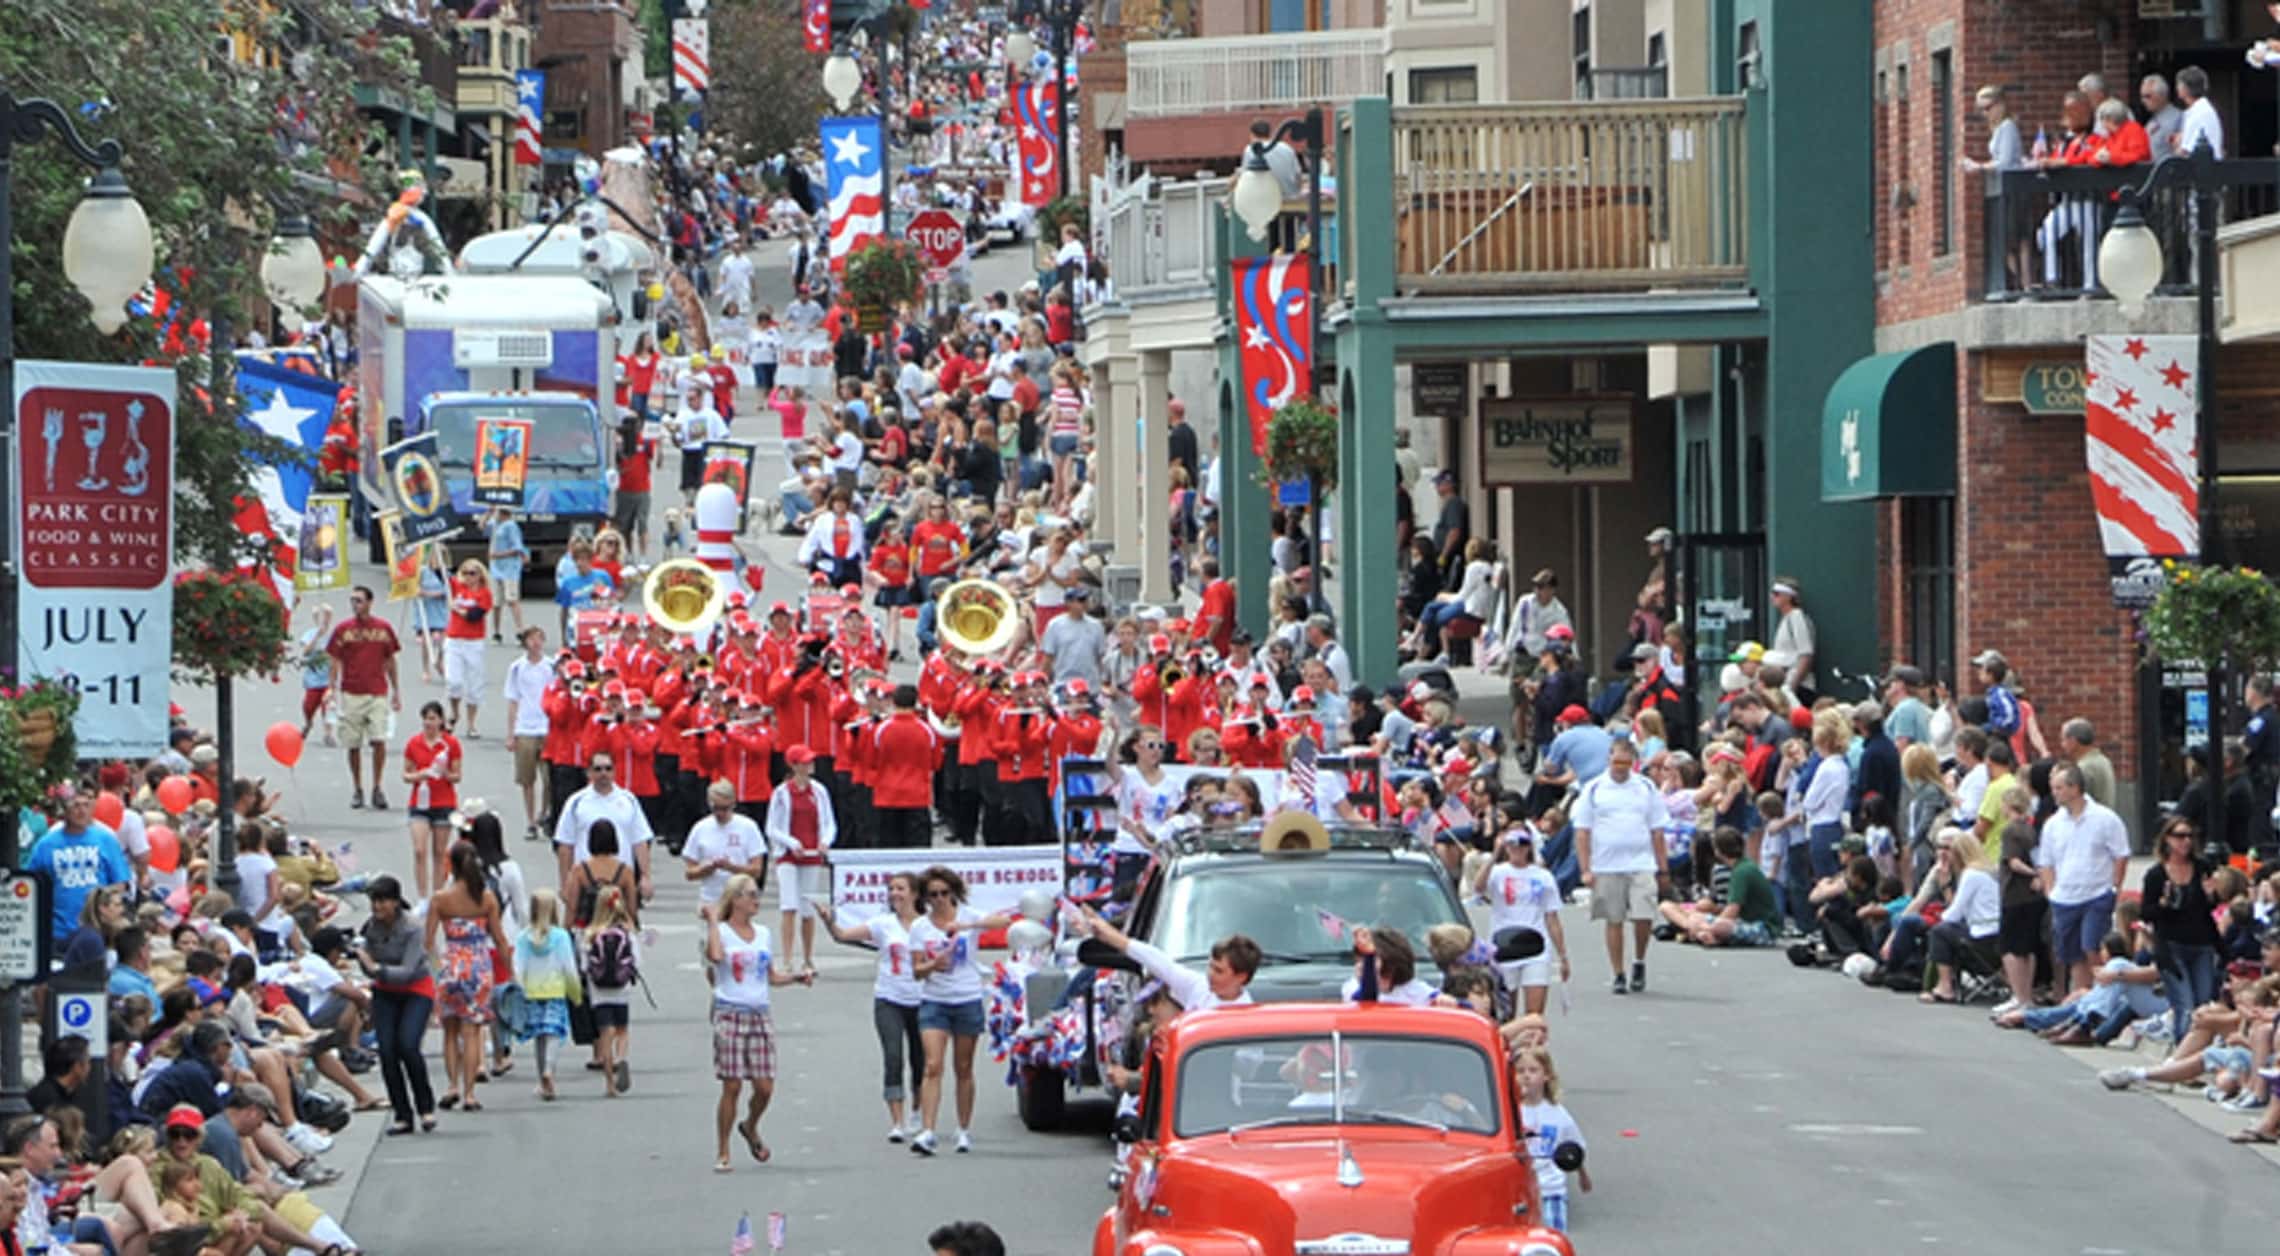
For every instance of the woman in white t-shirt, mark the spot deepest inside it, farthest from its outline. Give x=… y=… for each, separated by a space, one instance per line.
x=1522 y=894
x=1147 y=798
x=742 y=954
x=944 y=944
x=895 y=993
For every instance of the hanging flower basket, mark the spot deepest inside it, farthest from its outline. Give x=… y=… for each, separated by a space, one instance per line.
x=37 y=748
x=1302 y=444
x=885 y=273
x=226 y=624
x=2222 y=616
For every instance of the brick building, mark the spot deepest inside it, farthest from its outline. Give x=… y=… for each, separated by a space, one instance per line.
x=2003 y=551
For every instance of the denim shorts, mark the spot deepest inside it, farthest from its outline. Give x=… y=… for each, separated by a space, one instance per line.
x=1062 y=445
x=2078 y=929
x=959 y=1020
x=2235 y=1060
x=1752 y=933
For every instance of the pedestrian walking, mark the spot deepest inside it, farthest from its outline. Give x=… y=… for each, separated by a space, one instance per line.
x=507 y=553
x=474 y=947
x=476 y=824
x=393 y=955
x=316 y=674
x=943 y=955
x=433 y=762
x=365 y=689
x=602 y=801
x=612 y=962
x=895 y=996
x=801 y=829
x=547 y=968
x=1619 y=822
x=725 y=843
x=463 y=681
x=742 y=955
x=528 y=678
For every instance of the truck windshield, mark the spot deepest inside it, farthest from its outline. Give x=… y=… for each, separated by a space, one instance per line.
x=562 y=437
x=1301 y=909
x=1376 y=1080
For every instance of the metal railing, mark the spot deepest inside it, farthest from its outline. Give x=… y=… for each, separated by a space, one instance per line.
x=2042 y=227
x=1167 y=78
x=1646 y=82
x=1160 y=240
x=1542 y=197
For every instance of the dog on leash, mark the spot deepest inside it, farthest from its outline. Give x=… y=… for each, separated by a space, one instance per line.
x=675 y=537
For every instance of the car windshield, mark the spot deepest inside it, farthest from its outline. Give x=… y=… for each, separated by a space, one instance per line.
x=1305 y=910
x=1435 y=1083
x=562 y=438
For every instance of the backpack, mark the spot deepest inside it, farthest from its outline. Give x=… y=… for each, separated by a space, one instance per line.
x=609 y=960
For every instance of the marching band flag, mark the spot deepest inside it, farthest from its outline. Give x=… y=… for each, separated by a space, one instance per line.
x=1036 y=109
x=1275 y=326
x=692 y=55
x=855 y=180
x=530 y=104
x=816 y=18
x=2142 y=429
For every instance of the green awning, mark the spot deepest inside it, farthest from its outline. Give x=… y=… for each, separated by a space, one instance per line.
x=1888 y=427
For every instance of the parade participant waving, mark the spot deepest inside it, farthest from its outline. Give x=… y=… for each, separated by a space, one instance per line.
x=432 y=764
x=463 y=643
x=742 y=955
x=944 y=945
x=1147 y=796
x=801 y=828
x=1235 y=960
x=895 y=995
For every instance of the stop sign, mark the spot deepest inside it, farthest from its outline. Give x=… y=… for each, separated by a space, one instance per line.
x=938 y=238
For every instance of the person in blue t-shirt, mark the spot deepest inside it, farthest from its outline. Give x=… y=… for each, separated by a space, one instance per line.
x=1576 y=755
x=79 y=857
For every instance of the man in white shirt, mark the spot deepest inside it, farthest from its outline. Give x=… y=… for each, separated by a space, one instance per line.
x=1619 y=821
x=2082 y=859
x=1971 y=786
x=912 y=382
x=2201 y=120
x=735 y=279
x=1322 y=643
x=1226 y=983
x=1793 y=636
x=527 y=680
x=1535 y=616
x=722 y=845
x=602 y=800
x=696 y=423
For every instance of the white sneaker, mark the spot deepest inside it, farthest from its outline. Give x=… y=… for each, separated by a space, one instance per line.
x=2006 y=1007
x=923 y=1144
x=895 y=1134
x=965 y=1142
x=2118 y=1078
x=307 y=1140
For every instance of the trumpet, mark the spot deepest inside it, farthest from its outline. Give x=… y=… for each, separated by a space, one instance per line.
x=834 y=666
x=1170 y=675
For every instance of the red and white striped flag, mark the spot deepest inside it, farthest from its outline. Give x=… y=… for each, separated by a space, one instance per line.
x=2141 y=425
x=692 y=55
x=1301 y=775
x=775 y=1232
x=530 y=102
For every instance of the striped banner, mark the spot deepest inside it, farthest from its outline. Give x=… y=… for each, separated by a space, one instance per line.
x=692 y=55
x=2142 y=430
x=530 y=105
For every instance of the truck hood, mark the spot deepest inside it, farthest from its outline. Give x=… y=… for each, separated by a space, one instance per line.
x=1284 y=1190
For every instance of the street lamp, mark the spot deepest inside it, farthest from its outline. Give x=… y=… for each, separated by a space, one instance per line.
x=2130 y=264
x=107 y=255
x=1020 y=49
x=293 y=271
x=842 y=78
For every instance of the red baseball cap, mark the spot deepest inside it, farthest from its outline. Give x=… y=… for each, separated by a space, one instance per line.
x=799 y=754
x=183 y=1116
x=1302 y=695
x=1159 y=644
x=1801 y=719
x=1559 y=632
x=1078 y=688
x=1572 y=714
x=779 y=608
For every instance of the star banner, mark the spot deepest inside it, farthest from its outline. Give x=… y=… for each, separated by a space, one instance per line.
x=1274 y=324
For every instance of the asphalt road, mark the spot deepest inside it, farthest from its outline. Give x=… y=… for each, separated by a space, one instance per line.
x=1741 y=1105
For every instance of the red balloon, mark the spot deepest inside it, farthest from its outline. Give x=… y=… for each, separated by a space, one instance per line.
x=165 y=848
x=753 y=576
x=174 y=794
x=109 y=811
x=284 y=743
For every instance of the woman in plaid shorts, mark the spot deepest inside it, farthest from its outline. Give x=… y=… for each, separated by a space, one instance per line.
x=744 y=1039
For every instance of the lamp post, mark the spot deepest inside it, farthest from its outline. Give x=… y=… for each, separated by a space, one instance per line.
x=107 y=255
x=293 y=271
x=1257 y=200
x=2131 y=265
x=1060 y=18
x=843 y=82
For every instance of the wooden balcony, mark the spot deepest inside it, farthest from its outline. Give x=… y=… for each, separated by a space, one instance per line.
x=1161 y=245
x=1170 y=78
x=1625 y=195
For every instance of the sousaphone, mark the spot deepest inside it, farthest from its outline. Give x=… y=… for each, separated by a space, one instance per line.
x=977 y=617
x=685 y=596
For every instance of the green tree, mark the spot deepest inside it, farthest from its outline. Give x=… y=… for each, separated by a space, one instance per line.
x=214 y=146
x=767 y=88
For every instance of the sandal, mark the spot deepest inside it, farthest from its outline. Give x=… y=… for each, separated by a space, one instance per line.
x=723 y=1166
x=448 y=1102
x=427 y=1125
x=1934 y=996
x=501 y=1069
x=2253 y=1134
x=752 y=1141
x=471 y=1106
x=374 y=1105
x=399 y=1129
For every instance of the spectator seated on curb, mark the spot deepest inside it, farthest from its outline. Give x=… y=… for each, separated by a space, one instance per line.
x=2123 y=990
x=1746 y=918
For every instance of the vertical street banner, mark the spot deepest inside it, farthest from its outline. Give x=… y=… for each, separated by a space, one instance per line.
x=2141 y=429
x=816 y=22
x=854 y=161
x=296 y=409
x=1036 y=111
x=502 y=461
x=1274 y=325
x=95 y=544
x=730 y=462
x=530 y=110
x=403 y=556
x=323 y=551
x=692 y=55
x=414 y=477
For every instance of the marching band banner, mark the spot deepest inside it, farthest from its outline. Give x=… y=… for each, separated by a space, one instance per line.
x=805 y=362
x=996 y=876
x=1275 y=327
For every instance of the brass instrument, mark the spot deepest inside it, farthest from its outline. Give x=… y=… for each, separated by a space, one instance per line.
x=977 y=617
x=684 y=596
x=1170 y=675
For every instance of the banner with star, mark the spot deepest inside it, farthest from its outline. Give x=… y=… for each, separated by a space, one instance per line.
x=1275 y=327
x=854 y=163
x=1036 y=109
x=530 y=104
x=2141 y=428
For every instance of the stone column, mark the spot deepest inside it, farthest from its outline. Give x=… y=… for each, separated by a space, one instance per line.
x=1153 y=477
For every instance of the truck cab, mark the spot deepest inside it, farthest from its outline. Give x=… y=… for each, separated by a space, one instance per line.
x=566 y=483
x=1325 y=1130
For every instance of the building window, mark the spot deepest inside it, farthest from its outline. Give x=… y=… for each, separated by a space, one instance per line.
x=1455 y=85
x=1879 y=169
x=1746 y=57
x=1904 y=199
x=1943 y=153
x=1927 y=572
x=1580 y=48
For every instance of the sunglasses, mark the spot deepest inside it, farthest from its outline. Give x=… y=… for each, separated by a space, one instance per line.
x=186 y=1135
x=602 y=767
x=938 y=892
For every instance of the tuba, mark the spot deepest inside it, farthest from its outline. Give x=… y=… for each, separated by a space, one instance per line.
x=977 y=617
x=685 y=596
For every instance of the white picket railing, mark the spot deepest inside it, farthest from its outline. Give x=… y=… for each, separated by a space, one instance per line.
x=1169 y=78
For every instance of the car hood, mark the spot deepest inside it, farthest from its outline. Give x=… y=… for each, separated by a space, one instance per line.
x=1284 y=1190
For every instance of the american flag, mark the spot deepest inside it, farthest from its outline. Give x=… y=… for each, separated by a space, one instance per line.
x=855 y=179
x=2142 y=427
x=692 y=55
x=1331 y=923
x=1036 y=105
x=530 y=104
x=294 y=408
x=1301 y=782
x=740 y=1243
x=775 y=1232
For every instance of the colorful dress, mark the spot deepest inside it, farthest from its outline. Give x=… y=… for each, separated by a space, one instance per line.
x=463 y=977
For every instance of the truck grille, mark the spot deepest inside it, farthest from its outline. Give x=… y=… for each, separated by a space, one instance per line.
x=1353 y=1245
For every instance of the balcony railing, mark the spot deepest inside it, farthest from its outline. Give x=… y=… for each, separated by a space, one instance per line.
x=1161 y=245
x=1175 y=77
x=2043 y=226
x=494 y=46
x=1630 y=195
x=1623 y=83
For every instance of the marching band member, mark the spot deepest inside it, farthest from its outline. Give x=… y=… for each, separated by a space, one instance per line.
x=565 y=707
x=1149 y=692
x=1022 y=740
x=636 y=749
x=905 y=755
x=976 y=709
x=750 y=759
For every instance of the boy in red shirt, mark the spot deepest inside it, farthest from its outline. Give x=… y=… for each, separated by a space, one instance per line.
x=723 y=383
x=1215 y=615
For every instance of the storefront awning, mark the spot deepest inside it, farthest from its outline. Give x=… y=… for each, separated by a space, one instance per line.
x=1888 y=427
